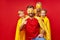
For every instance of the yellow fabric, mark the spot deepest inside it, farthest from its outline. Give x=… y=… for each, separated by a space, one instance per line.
x=41 y=23
x=19 y=34
x=46 y=27
x=22 y=35
x=35 y=11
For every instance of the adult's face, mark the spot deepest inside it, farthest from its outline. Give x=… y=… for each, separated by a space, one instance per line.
x=29 y=10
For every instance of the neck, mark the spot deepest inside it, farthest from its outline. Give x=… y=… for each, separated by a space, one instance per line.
x=31 y=17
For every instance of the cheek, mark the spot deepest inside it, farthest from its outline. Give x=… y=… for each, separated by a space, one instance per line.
x=43 y=14
x=20 y=15
x=28 y=11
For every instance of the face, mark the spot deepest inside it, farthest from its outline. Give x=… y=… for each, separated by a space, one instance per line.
x=21 y=13
x=38 y=5
x=38 y=12
x=29 y=10
x=43 y=13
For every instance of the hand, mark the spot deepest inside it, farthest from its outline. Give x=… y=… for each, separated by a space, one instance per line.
x=25 y=22
x=40 y=35
x=42 y=31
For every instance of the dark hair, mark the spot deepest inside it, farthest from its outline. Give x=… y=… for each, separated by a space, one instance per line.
x=30 y=6
x=44 y=10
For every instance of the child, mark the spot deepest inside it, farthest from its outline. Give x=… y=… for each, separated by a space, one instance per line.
x=47 y=24
x=19 y=34
x=38 y=6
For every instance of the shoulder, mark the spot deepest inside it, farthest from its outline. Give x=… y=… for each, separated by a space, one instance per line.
x=46 y=18
x=20 y=19
x=26 y=17
x=37 y=17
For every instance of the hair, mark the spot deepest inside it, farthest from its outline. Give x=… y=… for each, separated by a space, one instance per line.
x=44 y=10
x=30 y=6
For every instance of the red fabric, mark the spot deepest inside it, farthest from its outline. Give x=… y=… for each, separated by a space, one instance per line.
x=32 y=28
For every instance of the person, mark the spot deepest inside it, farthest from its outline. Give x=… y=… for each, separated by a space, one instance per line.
x=37 y=15
x=19 y=34
x=38 y=9
x=31 y=26
x=38 y=6
x=46 y=21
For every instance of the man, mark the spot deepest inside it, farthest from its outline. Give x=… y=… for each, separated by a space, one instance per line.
x=32 y=27
x=45 y=20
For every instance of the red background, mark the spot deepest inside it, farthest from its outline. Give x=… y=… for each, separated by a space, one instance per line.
x=9 y=16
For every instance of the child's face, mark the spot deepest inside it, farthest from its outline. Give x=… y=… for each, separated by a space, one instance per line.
x=43 y=13
x=30 y=10
x=21 y=13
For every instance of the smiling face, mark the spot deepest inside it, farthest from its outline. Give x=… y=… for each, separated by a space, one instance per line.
x=43 y=13
x=21 y=13
x=29 y=10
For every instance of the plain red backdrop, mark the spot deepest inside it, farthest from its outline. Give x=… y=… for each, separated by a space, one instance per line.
x=9 y=16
